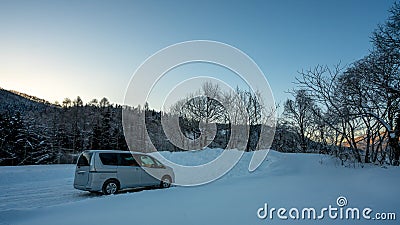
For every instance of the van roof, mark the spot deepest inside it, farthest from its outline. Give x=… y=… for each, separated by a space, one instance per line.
x=114 y=151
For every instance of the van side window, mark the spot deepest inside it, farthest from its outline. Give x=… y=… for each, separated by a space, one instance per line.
x=84 y=159
x=148 y=161
x=127 y=160
x=109 y=159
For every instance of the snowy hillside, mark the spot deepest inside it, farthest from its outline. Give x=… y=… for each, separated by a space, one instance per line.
x=16 y=101
x=44 y=194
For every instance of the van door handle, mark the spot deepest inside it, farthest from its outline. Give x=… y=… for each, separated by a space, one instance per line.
x=80 y=172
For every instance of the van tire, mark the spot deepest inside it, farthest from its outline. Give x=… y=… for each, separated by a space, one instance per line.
x=110 y=187
x=165 y=181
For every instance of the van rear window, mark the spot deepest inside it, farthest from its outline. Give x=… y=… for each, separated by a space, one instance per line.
x=110 y=159
x=84 y=159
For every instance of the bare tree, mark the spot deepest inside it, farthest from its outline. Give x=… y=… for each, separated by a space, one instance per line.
x=323 y=84
x=300 y=113
x=385 y=67
x=205 y=109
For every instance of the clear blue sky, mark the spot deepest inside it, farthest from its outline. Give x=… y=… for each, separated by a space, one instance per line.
x=57 y=49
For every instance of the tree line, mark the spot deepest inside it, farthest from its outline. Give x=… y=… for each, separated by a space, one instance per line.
x=353 y=110
x=43 y=133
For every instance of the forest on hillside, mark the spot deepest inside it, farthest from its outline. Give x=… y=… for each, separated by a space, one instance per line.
x=38 y=133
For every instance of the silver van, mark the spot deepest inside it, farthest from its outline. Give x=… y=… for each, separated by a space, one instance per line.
x=109 y=171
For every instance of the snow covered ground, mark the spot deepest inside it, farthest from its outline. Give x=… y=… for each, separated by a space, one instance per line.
x=44 y=194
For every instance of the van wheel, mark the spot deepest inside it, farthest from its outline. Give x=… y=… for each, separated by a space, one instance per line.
x=165 y=182
x=110 y=187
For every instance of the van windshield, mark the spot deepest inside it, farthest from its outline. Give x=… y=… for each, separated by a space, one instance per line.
x=84 y=159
